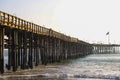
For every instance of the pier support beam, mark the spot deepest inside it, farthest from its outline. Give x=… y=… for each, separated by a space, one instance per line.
x=30 y=57
x=1 y=50
x=25 y=50
x=9 y=51
x=14 y=51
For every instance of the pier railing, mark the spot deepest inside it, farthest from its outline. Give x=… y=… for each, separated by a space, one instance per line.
x=15 y=22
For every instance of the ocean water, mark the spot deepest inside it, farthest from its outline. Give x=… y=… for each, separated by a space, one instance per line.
x=91 y=67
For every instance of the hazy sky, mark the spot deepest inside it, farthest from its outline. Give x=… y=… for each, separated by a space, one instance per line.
x=87 y=20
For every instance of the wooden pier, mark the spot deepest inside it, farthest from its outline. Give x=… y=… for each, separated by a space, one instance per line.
x=29 y=44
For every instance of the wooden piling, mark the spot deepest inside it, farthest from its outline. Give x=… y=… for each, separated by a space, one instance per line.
x=37 y=51
x=30 y=57
x=19 y=48
x=9 y=50
x=25 y=64
x=14 y=49
x=2 y=49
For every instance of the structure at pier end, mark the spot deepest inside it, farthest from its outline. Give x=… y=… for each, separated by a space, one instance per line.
x=106 y=48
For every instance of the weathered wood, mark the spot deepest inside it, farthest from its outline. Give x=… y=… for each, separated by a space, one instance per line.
x=37 y=50
x=30 y=57
x=14 y=49
x=44 y=51
x=25 y=64
x=2 y=31
x=9 y=50
x=19 y=48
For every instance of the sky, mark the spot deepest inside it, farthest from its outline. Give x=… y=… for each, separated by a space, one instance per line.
x=88 y=20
